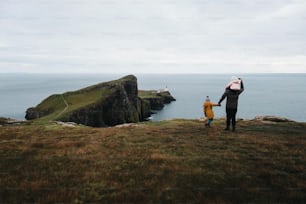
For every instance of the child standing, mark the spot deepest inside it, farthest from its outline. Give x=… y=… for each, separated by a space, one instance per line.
x=208 y=111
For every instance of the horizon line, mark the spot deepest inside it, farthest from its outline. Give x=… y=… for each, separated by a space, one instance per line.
x=157 y=73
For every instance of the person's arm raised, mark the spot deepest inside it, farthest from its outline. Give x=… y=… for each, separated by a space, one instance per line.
x=242 y=87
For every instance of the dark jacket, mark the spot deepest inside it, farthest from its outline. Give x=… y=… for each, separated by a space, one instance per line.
x=231 y=97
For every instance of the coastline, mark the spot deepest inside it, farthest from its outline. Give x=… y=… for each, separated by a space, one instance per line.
x=264 y=94
x=264 y=119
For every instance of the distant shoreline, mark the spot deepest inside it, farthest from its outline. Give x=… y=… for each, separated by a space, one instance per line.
x=266 y=119
x=122 y=74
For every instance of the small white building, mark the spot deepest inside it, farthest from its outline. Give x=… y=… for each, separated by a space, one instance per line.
x=163 y=90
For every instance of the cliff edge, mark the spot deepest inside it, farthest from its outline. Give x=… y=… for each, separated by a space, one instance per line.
x=171 y=161
x=105 y=104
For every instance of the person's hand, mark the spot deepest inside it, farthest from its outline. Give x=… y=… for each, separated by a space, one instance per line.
x=219 y=104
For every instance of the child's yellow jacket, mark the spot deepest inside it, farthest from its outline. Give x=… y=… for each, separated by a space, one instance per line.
x=208 y=110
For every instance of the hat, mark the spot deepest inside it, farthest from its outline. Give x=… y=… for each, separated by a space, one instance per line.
x=207 y=99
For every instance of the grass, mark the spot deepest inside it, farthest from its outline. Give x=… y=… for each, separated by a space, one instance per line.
x=75 y=100
x=55 y=106
x=79 y=100
x=146 y=94
x=177 y=161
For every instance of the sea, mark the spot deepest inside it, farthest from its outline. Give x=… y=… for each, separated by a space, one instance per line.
x=281 y=95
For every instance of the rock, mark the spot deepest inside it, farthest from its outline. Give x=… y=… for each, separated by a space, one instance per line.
x=10 y=121
x=272 y=119
x=33 y=113
x=105 y=104
x=66 y=124
x=145 y=109
x=167 y=97
x=127 y=125
x=156 y=103
x=122 y=105
x=157 y=100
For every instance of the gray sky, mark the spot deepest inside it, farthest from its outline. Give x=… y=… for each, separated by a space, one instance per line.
x=153 y=36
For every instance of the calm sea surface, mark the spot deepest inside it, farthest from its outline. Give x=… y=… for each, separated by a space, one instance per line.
x=265 y=94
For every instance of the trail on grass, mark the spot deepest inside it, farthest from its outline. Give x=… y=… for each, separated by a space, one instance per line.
x=66 y=107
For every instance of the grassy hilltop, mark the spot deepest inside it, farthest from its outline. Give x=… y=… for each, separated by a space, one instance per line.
x=104 y=104
x=177 y=161
x=60 y=106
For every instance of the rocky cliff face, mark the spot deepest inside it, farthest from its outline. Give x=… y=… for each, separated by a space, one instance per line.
x=122 y=105
x=162 y=98
x=118 y=103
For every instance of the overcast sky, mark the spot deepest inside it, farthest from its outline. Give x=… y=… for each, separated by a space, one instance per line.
x=153 y=36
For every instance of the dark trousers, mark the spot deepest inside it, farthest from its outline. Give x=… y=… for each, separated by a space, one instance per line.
x=231 y=116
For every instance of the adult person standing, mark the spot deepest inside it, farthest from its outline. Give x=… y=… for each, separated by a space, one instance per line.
x=232 y=95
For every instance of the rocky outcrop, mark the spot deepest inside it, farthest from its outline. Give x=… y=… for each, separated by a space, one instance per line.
x=10 y=122
x=33 y=113
x=122 y=105
x=113 y=103
x=159 y=99
x=270 y=118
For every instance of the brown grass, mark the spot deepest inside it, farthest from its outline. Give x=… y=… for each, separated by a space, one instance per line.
x=178 y=161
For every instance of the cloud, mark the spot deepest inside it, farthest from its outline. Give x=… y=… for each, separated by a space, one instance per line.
x=290 y=10
x=152 y=36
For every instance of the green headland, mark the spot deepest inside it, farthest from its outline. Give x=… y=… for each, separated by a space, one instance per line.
x=105 y=104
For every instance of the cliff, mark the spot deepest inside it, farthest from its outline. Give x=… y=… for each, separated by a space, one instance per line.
x=157 y=99
x=105 y=104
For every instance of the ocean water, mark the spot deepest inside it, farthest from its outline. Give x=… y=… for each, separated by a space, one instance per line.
x=265 y=94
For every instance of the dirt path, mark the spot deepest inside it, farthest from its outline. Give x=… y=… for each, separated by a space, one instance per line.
x=66 y=106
